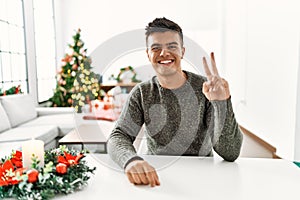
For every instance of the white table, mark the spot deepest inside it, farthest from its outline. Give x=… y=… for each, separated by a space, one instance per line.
x=85 y=134
x=190 y=178
x=90 y=134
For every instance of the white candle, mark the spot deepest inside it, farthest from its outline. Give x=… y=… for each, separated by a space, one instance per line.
x=32 y=148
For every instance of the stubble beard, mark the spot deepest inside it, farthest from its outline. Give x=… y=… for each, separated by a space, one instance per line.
x=165 y=71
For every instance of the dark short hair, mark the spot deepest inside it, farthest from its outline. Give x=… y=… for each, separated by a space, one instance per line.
x=162 y=25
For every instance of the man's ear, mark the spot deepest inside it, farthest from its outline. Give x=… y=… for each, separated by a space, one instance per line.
x=147 y=52
x=183 y=51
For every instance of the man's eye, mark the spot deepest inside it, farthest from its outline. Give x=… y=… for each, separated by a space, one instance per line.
x=172 y=47
x=155 y=48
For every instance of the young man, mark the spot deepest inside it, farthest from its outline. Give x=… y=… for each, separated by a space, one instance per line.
x=183 y=113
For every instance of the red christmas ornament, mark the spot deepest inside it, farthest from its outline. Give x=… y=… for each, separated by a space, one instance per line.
x=61 y=168
x=32 y=175
x=74 y=67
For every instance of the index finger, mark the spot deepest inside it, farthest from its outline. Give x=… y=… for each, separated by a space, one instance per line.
x=213 y=64
x=206 y=68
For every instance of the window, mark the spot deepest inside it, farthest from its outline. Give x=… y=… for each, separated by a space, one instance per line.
x=45 y=48
x=13 y=69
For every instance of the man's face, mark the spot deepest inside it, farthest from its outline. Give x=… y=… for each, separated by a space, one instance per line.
x=165 y=52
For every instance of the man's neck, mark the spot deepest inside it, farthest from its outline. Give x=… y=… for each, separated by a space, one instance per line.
x=173 y=81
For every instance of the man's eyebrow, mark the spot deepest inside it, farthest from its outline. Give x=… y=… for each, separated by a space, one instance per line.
x=155 y=45
x=172 y=43
x=168 y=44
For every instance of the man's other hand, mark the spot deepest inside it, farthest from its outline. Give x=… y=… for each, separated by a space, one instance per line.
x=139 y=172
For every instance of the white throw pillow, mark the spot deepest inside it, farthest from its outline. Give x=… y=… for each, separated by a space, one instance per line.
x=4 y=121
x=19 y=108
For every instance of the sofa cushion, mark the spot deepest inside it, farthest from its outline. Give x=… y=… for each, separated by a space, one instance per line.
x=4 y=121
x=41 y=111
x=19 y=108
x=19 y=134
x=64 y=122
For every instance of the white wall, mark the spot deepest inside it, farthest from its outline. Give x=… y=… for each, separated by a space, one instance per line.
x=297 y=126
x=102 y=19
x=261 y=63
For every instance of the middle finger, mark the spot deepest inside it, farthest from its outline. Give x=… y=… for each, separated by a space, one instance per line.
x=213 y=64
x=206 y=68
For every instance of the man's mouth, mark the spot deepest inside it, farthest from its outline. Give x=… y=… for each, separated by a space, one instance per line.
x=166 y=62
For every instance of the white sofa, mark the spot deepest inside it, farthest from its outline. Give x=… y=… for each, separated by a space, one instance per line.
x=21 y=120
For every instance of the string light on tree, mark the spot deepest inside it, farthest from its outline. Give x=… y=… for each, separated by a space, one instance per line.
x=75 y=77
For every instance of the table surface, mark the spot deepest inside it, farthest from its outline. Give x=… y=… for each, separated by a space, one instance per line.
x=195 y=178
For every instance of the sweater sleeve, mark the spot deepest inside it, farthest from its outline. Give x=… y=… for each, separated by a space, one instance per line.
x=226 y=137
x=120 y=143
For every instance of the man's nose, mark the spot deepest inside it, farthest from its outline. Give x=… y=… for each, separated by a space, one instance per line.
x=164 y=52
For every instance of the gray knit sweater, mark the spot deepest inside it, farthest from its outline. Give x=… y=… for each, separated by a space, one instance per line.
x=177 y=122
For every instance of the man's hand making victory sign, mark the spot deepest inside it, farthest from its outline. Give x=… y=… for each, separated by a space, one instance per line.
x=215 y=88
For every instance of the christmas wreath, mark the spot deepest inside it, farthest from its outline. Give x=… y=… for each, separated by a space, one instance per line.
x=12 y=90
x=64 y=172
x=129 y=68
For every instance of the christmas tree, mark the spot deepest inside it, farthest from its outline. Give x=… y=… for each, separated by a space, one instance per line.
x=76 y=83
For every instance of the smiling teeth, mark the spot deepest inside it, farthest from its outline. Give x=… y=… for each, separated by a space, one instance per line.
x=165 y=61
